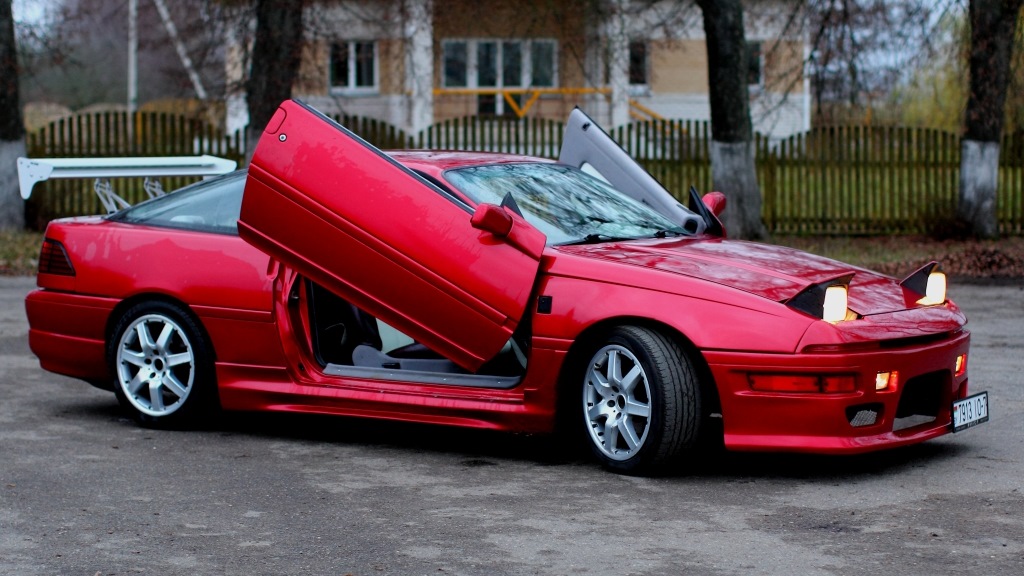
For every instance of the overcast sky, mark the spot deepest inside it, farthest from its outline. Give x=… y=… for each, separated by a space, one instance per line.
x=31 y=11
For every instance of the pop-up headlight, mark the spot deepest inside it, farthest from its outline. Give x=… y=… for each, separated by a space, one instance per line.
x=935 y=292
x=929 y=282
x=834 y=307
x=827 y=300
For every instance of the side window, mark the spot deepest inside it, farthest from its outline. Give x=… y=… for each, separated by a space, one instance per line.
x=208 y=206
x=353 y=66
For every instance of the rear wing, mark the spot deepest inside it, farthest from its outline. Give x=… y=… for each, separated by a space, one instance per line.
x=31 y=171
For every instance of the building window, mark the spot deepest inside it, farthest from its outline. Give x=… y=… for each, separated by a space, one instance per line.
x=354 y=66
x=456 y=64
x=638 y=63
x=755 y=64
x=499 y=64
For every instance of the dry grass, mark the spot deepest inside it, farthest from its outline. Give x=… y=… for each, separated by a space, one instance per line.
x=19 y=252
x=900 y=255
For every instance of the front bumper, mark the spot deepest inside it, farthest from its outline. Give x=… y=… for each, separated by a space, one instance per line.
x=841 y=423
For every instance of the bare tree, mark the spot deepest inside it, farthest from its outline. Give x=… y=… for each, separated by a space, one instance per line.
x=732 y=147
x=12 y=131
x=993 y=28
x=861 y=49
x=81 y=56
x=276 y=55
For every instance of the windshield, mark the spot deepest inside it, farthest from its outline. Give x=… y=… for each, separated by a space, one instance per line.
x=567 y=205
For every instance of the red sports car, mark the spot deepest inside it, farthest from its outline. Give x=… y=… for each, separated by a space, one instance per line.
x=493 y=291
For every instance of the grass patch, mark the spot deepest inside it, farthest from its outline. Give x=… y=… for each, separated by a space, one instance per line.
x=19 y=252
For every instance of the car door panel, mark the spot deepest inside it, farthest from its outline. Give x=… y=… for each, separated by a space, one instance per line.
x=348 y=216
x=587 y=147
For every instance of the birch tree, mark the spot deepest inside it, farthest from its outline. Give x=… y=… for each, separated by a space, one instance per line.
x=994 y=25
x=733 y=167
x=12 y=130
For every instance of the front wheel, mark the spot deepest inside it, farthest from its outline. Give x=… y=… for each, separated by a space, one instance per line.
x=641 y=401
x=162 y=365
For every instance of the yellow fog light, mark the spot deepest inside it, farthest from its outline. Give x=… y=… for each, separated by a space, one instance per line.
x=886 y=381
x=935 y=291
x=961 y=366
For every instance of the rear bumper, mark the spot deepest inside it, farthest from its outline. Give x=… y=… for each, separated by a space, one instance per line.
x=841 y=423
x=66 y=332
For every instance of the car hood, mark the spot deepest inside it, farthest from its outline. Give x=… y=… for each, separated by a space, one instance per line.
x=773 y=272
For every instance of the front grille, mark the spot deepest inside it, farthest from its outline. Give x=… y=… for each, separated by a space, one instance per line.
x=53 y=259
x=921 y=400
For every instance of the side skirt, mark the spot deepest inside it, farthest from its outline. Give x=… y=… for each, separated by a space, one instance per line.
x=420 y=377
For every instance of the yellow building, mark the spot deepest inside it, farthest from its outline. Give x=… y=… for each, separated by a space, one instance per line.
x=413 y=63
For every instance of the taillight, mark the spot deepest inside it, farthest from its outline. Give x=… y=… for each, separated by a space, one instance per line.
x=53 y=259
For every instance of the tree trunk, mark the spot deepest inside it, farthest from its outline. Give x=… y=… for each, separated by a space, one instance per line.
x=733 y=169
x=12 y=130
x=993 y=27
x=276 y=55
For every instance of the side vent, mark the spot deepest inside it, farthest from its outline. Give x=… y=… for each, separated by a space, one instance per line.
x=53 y=259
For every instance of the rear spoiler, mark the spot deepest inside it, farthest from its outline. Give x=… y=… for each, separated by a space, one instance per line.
x=31 y=171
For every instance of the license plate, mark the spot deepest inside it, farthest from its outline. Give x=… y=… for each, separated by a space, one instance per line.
x=970 y=411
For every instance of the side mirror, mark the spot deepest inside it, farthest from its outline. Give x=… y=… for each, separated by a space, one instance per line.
x=493 y=219
x=715 y=201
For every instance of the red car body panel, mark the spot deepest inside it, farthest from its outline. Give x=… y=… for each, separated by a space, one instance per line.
x=425 y=270
x=225 y=281
x=361 y=224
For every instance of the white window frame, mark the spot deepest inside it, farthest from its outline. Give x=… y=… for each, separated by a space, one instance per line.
x=526 y=65
x=349 y=87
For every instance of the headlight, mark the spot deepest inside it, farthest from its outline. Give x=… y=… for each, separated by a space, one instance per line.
x=935 y=291
x=835 y=305
x=927 y=282
x=827 y=300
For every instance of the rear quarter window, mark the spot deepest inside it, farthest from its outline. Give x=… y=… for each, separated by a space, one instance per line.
x=209 y=206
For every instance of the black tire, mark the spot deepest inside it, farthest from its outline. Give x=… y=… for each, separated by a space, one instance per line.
x=162 y=365
x=641 y=401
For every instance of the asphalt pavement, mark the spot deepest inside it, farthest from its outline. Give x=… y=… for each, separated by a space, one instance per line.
x=85 y=491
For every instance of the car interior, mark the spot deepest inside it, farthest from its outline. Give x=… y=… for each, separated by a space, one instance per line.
x=344 y=336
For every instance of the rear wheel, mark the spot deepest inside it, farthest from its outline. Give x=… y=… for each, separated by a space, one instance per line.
x=641 y=401
x=162 y=365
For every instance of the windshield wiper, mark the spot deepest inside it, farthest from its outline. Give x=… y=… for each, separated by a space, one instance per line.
x=595 y=238
x=666 y=232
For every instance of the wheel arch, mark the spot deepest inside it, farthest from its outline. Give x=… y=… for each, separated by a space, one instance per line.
x=124 y=305
x=593 y=334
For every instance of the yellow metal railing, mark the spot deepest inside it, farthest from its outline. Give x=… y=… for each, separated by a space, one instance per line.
x=636 y=110
x=509 y=94
x=640 y=112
